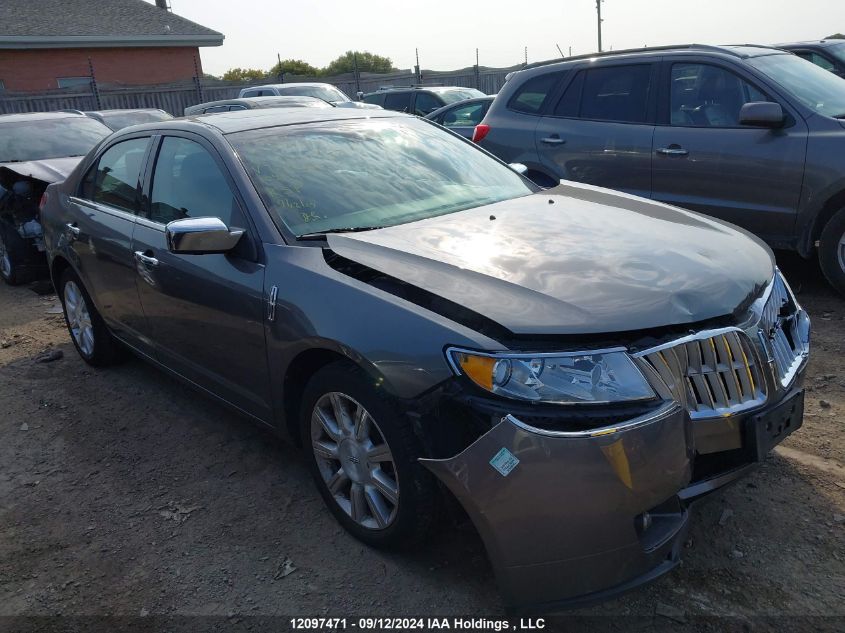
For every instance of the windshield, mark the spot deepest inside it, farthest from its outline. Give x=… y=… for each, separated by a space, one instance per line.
x=369 y=173
x=120 y=120
x=453 y=96
x=815 y=87
x=838 y=51
x=49 y=138
x=326 y=93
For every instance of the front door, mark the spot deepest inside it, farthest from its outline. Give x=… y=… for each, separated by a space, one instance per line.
x=206 y=312
x=600 y=130
x=706 y=161
x=102 y=218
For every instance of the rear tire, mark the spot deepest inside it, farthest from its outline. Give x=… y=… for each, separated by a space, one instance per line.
x=832 y=251
x=366 y=467
x=89 y=333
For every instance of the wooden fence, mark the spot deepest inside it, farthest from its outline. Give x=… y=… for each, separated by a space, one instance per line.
x=174 y=98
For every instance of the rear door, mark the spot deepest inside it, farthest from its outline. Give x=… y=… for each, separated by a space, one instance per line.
x=600 y=130
x=205 y=312
x=103 y=215
x=706 y=161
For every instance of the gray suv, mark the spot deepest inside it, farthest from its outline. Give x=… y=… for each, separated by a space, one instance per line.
x=747 y=134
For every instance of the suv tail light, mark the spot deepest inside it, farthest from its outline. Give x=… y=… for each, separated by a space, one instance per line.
x=480 y=132
x=43 y=202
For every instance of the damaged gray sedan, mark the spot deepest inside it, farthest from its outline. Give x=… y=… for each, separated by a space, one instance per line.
x=574 y=366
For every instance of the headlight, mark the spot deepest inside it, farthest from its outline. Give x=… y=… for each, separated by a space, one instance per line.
x=593 y=377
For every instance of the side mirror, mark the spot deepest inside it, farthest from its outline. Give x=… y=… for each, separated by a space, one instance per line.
x=518 y=168
x=762 y=114
x=201 y=236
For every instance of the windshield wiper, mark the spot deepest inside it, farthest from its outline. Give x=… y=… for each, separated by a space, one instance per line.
x=839 y=116
x=318 y=235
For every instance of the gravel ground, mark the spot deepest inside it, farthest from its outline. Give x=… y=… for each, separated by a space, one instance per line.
x=122 y=493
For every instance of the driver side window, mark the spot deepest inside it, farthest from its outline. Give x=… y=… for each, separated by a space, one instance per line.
x=464 y=116
x=709 y=96
x=187 y=183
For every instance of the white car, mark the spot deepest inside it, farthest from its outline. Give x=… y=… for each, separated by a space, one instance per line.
x=326 y=92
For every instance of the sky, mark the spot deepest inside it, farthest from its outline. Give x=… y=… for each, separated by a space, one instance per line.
x=447 y=32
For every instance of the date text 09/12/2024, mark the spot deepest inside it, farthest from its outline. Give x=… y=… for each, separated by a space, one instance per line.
x=404 y=624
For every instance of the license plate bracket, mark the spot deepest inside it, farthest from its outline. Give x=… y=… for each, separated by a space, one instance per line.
x=768 y=429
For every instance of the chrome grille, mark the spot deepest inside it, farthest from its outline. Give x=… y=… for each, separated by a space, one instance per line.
x=784 y=330
x=714 y=373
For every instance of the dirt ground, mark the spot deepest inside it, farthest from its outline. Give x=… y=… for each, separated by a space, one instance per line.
x=122 y=493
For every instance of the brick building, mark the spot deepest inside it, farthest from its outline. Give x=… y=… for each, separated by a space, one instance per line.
x=47 y=44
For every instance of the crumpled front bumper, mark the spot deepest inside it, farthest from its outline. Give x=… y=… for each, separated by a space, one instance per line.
x=568 y=522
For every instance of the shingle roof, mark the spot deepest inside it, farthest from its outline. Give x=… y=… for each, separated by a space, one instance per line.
x=67 y=23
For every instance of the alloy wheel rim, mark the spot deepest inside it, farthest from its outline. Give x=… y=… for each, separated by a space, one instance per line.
x=354 y=460
x=79 y=319
x=5 y=261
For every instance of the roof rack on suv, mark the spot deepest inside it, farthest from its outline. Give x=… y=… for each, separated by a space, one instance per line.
x=646 y=49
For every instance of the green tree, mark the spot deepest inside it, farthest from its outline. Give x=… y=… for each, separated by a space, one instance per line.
x=837 y=36
x=294 y=67
x=367 y=63
x=243 y=74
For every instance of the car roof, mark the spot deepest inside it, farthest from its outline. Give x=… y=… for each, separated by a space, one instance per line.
x=123 y=110
x=740 y=51
x=312 y=84
x=259 y=101
x=39 y=116
x=816 y=43
x=243 y=120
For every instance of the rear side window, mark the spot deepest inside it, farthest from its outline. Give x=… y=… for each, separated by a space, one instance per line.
x=534 y=93
x=114 y=180
x=426 y=103
x=616 y=93
x=376 y=98
x=398 y=101
x=187 y=183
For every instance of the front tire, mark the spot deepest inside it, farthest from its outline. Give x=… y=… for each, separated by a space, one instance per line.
x=832 y=251
x=88 y=331
x=362 y=453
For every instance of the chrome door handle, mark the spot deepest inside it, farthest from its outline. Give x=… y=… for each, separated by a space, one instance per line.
x=672 y=151
x=553 y=140
x=271 y=304
x=72 y=229
x=145 y=259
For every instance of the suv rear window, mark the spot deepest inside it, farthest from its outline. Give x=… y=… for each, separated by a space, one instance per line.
x=532 y=95
x=375 y=98
x=398 y=101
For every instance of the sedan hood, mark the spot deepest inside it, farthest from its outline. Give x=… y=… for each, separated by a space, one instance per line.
x=573 y=260
x=49 y=170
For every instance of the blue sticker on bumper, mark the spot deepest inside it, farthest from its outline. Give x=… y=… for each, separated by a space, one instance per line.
x=504 y=461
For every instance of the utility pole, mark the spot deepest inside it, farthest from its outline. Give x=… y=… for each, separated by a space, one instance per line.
x=598 y=11
x=357 y=74
x=477 y=72
x=526 y=55
x=280 y=74
x=417 y=74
